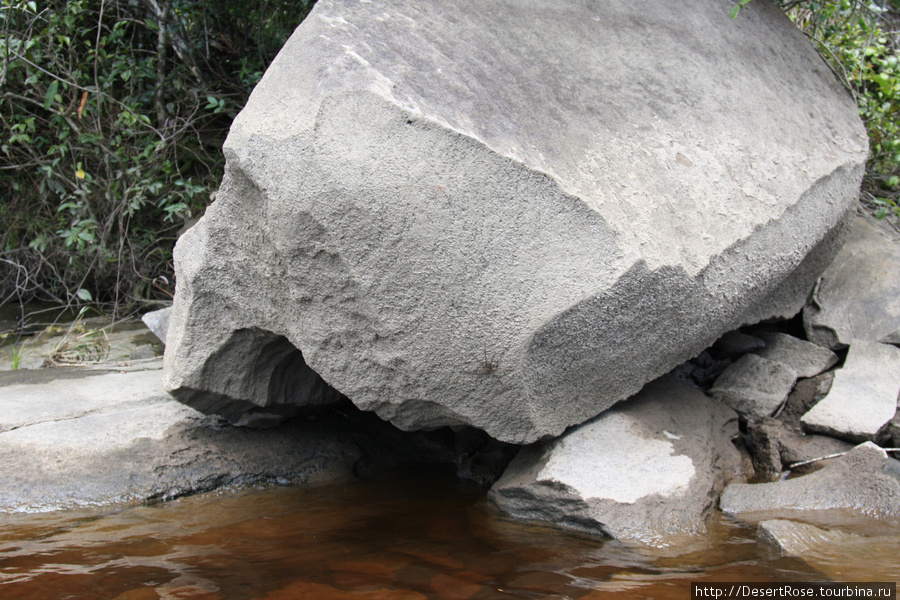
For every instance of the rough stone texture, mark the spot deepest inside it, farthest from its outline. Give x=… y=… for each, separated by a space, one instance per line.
x=456 y=222
x=858 y=296
x=798 y=448
x=806 y=358
x=862 y=481
x=894 y=431
x=863 y=398
x=648 y=469
x=806 y=393
x=158 y=322
x=753 y=386
x=775 y=447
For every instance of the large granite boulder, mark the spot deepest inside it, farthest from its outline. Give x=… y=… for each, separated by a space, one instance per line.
x=509 y=215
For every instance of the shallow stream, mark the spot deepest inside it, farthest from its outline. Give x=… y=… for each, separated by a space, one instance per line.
x=412 y=534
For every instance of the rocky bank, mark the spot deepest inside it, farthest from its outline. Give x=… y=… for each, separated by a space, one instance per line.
x=604 y=295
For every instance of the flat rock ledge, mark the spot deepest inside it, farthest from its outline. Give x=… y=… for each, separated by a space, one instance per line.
x=648 y=470
x=452 y=222
x=780 y=537
x=74 y=439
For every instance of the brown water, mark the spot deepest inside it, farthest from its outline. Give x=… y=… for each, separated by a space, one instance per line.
x=412 y=535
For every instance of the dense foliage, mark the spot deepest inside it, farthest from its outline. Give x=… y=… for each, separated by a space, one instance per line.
x=112 y=117
x=860 y=41
x=113 y=113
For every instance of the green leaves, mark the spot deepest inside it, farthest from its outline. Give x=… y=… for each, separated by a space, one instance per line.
x=855 y=39
x=214 y=104
x=50 y=96
x=94 y=178
x=737 y=8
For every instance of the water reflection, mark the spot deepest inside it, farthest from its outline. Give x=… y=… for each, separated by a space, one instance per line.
x=412 y=535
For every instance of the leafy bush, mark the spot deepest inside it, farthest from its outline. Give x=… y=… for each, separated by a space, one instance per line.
x=860 y=41
x=112 y=116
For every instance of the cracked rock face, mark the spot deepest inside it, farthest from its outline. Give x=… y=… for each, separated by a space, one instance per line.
x=434 y=211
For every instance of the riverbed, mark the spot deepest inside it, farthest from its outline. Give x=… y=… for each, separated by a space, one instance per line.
x=414 y=533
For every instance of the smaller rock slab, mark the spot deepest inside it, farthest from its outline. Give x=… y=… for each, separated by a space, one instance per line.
x=858 y=296
x=863 y=398
x=778 y=538
x=754 y=386
x=862 y=481
x=806 y=393
x=806 y=358
x=838 y=554
x=647 y=470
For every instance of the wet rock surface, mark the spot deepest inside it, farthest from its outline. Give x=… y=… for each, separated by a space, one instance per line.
x=830 y=551
x=104 y=438
x=779 y=537
x=447 y=245
x=648 y=470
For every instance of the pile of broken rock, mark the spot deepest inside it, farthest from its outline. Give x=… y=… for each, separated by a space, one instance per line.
x=815 y=416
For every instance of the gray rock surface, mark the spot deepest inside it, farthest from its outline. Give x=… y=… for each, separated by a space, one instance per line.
x=894 y=431
x=737 y=343
x=454 y=222
x=863 y=481
x=806 y=358
x=753 y=386
x=863 y=398
x=806 y=393
x=647 y=470
x=73 y=439
x=858 y=296
x=776 y=448
x=157 y=321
